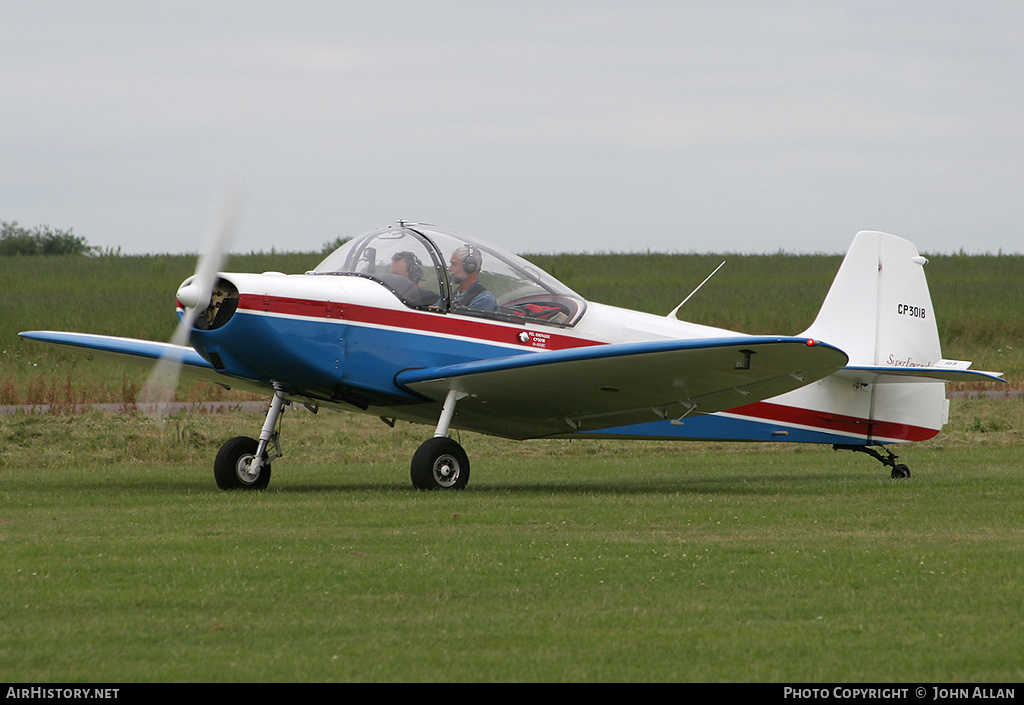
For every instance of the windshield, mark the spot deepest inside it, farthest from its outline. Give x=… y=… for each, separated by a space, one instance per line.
x=400 y=258
x=431 y=268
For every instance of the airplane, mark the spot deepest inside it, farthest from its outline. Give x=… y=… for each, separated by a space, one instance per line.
x=418 y=323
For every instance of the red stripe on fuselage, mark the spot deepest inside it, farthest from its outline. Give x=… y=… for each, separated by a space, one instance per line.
x=834 y=422
x=425 y=321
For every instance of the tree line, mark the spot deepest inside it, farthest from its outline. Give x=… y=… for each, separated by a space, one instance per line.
x=17 y=241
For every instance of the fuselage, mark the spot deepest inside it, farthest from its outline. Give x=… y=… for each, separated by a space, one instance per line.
x=398 y=299
x=339 y=342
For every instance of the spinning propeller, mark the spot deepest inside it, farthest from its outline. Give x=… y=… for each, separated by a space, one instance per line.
x=195 y=294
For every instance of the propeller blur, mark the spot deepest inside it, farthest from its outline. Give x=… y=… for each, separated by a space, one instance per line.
x=162 y=383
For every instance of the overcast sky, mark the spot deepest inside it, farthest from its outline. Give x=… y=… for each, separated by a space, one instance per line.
x=542 y=126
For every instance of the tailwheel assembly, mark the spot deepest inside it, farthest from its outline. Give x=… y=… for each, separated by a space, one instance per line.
x=899 y=470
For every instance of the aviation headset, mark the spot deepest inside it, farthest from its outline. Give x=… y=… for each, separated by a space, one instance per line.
x=471 y=262
x=412 y=265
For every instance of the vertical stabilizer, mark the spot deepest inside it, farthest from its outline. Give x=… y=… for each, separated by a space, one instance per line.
x=879 y=310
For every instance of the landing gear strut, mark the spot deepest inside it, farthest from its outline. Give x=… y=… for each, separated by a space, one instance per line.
x=441 y=463
x=899 y=470
x=243 y=463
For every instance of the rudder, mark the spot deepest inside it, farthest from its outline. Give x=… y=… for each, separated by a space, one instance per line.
x=878 y=309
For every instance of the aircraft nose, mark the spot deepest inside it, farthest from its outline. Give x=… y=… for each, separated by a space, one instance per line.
x=190 y=296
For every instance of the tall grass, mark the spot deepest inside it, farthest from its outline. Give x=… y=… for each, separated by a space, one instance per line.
x=126 y=296
x=979 y=302
x=978 y=299
x=751 y=293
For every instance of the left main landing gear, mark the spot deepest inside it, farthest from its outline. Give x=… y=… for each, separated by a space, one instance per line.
x=243 y=463
x=899 y=470
x=441 y=463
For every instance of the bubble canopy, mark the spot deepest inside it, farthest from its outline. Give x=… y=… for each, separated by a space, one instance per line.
x=435 y=269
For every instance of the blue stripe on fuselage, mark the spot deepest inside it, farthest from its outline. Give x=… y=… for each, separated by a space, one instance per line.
x=717 y=427
x=316 y=355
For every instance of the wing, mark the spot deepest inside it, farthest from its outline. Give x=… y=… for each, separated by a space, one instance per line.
x=553 y=393
x=130 y=350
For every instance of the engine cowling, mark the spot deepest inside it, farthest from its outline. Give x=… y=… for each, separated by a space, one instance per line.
x=218 y=305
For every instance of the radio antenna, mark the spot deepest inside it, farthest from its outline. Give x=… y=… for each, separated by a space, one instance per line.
x=676 y=309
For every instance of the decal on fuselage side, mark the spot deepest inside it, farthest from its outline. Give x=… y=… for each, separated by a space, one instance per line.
x=535 y=339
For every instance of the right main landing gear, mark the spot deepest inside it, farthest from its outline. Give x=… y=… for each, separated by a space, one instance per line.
x=899 y=470
x=441 y=463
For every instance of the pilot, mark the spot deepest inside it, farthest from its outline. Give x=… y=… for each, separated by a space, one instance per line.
x=464 y=269
x=406 y=264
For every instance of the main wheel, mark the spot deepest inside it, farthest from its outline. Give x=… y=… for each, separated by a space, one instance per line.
x=440 y=464
x=233 y=467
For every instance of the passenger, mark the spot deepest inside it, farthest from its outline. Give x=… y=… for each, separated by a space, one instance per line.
x=464 y=269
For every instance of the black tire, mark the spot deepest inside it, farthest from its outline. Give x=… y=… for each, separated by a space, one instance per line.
x=900 y=471
x=231 y=467
x=440 y=464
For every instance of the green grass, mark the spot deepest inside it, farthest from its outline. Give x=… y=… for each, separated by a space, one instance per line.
x=582 y=561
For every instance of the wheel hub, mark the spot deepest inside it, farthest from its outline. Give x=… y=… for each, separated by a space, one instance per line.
x=446 y=471
x=246 y=469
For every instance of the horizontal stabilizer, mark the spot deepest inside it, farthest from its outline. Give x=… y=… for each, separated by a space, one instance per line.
x=883 y=375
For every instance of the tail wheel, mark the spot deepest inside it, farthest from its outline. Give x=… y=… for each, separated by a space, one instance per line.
x=235 y=469
x=900 y=472
x=440 y=464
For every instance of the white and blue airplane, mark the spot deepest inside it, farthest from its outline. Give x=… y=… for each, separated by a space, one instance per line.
x=417 y=323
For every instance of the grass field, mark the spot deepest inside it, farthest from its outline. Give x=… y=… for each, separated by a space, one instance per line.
x=583 y=561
